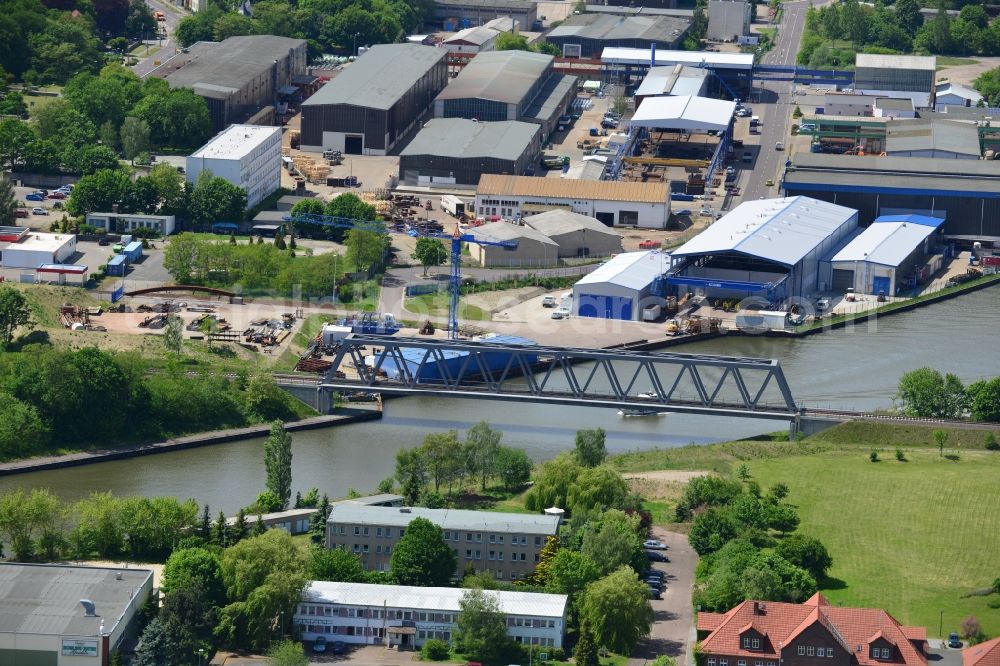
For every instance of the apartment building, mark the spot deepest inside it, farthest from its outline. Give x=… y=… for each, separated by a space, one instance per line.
x=405 y=617
x=506 y=545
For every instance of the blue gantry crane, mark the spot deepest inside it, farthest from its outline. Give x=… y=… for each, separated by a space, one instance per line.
x=456 y=238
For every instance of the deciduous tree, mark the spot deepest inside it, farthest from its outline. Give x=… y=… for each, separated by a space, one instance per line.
x=8 y=202
x=806 y=552
x=513 y=467
x=481 y=628
x=336 y=564
x=134 y=137
x=278 y=462
x=590 y=447
x=14 y=313
x=422 y=557
x=617 y=607
x=430 y=252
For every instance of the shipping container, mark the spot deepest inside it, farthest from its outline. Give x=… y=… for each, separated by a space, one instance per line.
x=117 y=266
x=132 y=251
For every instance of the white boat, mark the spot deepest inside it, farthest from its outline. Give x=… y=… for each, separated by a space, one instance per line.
x=641 y=411
x=631 y=411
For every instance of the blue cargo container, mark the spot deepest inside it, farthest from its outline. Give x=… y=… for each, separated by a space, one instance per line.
x=117 y=266
x=454 y=360
x=132 y=251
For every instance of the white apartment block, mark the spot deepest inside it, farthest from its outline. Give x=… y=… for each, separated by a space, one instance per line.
x=248 y=156
x=404 y=616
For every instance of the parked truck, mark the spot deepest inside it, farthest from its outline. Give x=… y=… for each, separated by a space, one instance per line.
x=453 y=205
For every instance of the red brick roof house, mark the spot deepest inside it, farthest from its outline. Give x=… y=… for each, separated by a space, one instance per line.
x=984 y=654
x=814 y=633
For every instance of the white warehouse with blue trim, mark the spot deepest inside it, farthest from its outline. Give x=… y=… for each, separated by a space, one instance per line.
x=621 y=287
x=770 y=249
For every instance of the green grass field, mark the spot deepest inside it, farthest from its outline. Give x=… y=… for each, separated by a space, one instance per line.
x=436 y=305
x=951 y=61
x=911 y=537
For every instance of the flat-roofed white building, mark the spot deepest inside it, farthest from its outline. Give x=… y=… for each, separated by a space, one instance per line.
x=248 y=156
x=404 y=616
x=125 y=223
x=55 y=615
x=35 y=249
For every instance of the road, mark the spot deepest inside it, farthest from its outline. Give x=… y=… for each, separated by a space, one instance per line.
x=773 y=102
x=673 y=631
x=167 y=46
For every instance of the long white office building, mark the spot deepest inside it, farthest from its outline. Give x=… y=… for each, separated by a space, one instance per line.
x=248 y=156
x=403 y=616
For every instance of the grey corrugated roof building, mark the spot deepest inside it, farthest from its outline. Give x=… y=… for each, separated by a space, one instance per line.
x=587 y=35
x=237 y=76
x=374 y=102
x=505 y=85
x=576 y=235
x=935 y=138
x=455 y=151
x=380 y=77
x=964 y=192
x=43 y=602
x=477 y=12
x=448 y=519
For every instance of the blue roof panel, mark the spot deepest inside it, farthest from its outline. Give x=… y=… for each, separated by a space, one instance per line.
x=925 y=220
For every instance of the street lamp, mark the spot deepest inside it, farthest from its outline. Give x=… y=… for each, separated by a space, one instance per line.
x=941 y=626
x=355 y=53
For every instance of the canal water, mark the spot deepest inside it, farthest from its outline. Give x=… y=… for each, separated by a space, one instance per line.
x=855 y=368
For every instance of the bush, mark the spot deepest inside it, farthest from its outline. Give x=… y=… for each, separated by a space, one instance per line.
x=991 y=442
x=435 y=649
x=900 y=456
x=873 y=456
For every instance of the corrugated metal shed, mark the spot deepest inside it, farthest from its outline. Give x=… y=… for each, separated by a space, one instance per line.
x=460 y=139
x=957 y=137
x=504 y=76
x=684 y=112
x=431 y=598
x=633 y=270
x=448 y=519
x=231 y=62
x=380 y=77
x=557 y=188
x=477 y=35
x=780 y=230
x=672 y=80
x=607 y=27
x=503 y=231
x=45 y=599
x=555 y=222
x=550 y=97
x=889 y=240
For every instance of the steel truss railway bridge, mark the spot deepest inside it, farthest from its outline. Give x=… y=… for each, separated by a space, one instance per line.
x=611 y=378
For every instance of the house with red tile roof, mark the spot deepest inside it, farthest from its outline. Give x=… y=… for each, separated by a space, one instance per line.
x=984 y=654
x=814 y=633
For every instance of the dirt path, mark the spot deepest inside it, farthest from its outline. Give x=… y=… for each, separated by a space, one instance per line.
x=680 y=475
x=966 y=74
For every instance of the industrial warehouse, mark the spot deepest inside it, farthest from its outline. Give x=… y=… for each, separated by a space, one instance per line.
x=613 y=203
x=54 y=615
x=771 y=249
x=508 y=85
x=455 y=151
x=732 y=73
x=623 y=287
x=372 y=104
x=587 y=35
x=965 y=193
